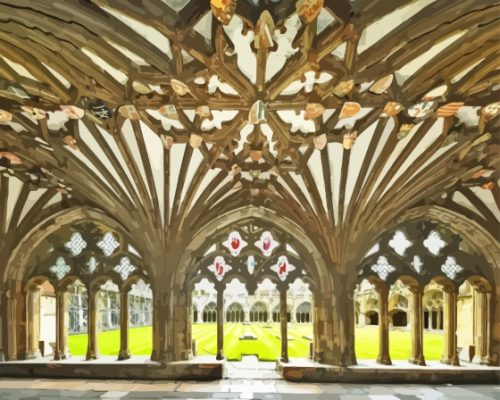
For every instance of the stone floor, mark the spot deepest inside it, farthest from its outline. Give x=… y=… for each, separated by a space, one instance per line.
x=45 y=389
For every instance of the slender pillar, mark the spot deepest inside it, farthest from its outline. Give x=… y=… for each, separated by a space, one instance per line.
x=439 y=318
x=61 y=349
x=124 y=353
x=220 y=324
x=93 y=331
x=482 y=331
x=383 y=325
x=417 y=331
x=283 y=326
x=450 y=327
x=32 y=323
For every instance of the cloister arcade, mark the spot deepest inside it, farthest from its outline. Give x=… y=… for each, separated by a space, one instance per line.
x=148 y=146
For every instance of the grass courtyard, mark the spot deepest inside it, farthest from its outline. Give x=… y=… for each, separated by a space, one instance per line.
x=267 y=346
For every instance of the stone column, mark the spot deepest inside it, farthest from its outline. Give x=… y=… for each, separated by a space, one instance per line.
x=450 y=327
x=383 y=325
x=61 y=349
x=438 y=319
x=417 y=331
x=92 y=324
x=160 y=326
x=481 y=355
x=32 y=323
x=283 y=326
x=124 y=353
x=220 y=324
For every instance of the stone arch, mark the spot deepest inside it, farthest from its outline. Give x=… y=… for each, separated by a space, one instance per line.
x=235 y=312
x=321 y=278
x=303 y=312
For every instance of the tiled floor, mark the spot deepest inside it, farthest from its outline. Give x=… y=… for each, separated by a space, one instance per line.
x=17 y=389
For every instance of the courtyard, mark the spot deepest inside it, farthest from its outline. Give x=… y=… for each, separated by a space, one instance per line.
x=267 y=343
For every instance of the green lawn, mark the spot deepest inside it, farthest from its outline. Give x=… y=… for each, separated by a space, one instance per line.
x=267 y=346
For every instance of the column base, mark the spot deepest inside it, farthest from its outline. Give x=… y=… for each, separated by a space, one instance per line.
x=219 y=357
x=91 y=356
x=58 y=357
x=124 y=355
x=33 y=356
x=384 y=360
x=417 y=361
x=284 y=359
x=454 y=361
x=481 y=360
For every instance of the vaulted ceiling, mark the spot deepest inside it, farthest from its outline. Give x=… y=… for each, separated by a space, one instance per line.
x=337 y=114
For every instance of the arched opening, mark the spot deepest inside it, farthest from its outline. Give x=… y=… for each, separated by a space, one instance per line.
x=258 y=312
x=399 y=319
x=473 y=313
x=366 y=334
x=432 y=303
x=210 y=313
x=41 y=315
x=235 y=313
x=204 y=326
x=140 y=305
x=372 y=318
x=78 y=319
x=303 y=313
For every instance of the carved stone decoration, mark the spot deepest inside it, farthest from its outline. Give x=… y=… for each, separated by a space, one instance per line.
x=320 y=141
x=266 y=243
x=100 y=109
x=449 y=109
x=168 y=141
x=264 y=31
x=255 y=155
x=314 y=110
x=129 y=112
x=234 y=243
x=73 y=112
x=343 y=88
x=421 y=110
x=5 y=116
x=349 y=109
x=180 y=88
x=391 y=109
x=35 y=113
x=308 y=10
x=141 y=88
x=404 y=130
x=282 y=268
x=258 y=113
x=203 y=111
x=92 y=265
x=219 y=268
x=349 y=139
x=381 y=85
x=491 y=110
x=70 y=141
x=195 y=140
x=223 y=10
x=169 y=111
